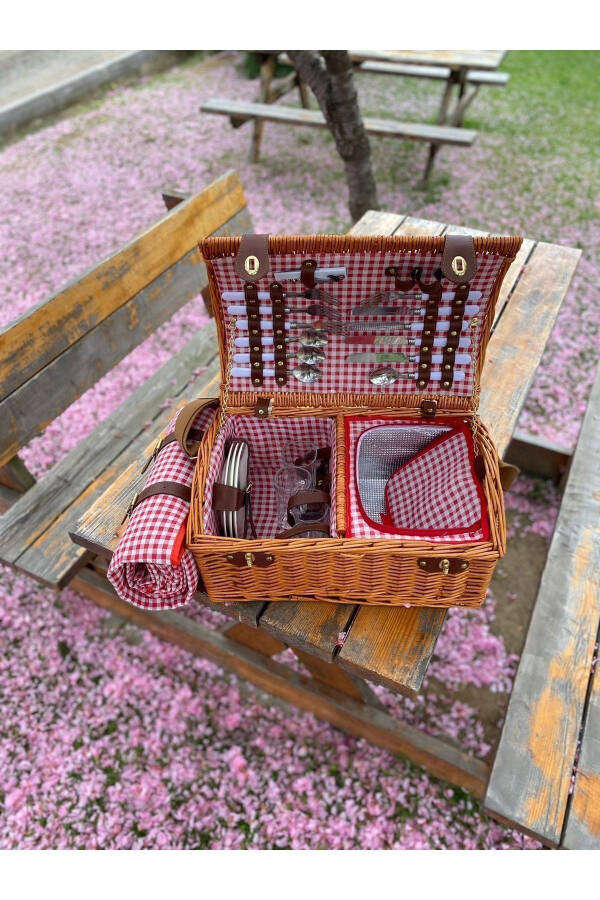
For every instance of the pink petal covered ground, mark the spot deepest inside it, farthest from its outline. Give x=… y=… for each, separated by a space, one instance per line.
x=109 y=738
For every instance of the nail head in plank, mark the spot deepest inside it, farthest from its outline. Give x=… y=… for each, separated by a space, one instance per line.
x=531 y=775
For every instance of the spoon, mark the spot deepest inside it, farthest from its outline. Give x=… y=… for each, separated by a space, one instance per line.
x=303 y=372
x=308 y=339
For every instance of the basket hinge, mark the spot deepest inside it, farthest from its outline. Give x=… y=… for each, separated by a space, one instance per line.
x=428 y=408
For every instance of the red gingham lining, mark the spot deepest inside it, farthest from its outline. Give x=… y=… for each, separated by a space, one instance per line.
x=365 y=277
x=267 y=439
x=437 y=491
x=358 y=525
x=148 y=568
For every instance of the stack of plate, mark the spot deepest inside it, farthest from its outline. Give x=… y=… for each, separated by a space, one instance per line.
x=235 y=474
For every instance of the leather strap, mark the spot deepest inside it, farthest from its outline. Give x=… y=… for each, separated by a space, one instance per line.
x=263 y=407
x=303 y=528
x=252 y=260
x=254 y=332
x=171 y=488
x=433 y=291
x=457 y=314
x=307 y=272
x=406 y=284
x=226 y=498
x=459 y=263
x=303 y=498
x=279 y=334
x=185 y=421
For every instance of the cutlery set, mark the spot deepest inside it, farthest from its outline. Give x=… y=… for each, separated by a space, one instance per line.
x=360 y=331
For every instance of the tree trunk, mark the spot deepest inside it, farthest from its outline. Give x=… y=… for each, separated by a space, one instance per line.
x=329 y=74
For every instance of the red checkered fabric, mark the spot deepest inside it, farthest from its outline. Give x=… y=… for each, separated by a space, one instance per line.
x=365 y=276
x=267 y=439
x=151 y=567
x=358 y=524
x=436 y=490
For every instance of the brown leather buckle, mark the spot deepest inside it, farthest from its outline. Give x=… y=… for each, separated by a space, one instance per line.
x=263 y=407
x=307 y=272
x=250 y=558
x=459 y=263
x=428 y=408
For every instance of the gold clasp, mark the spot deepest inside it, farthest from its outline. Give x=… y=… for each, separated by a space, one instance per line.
x=459 y=265
x=249 y=557
x=445 y=566
x=251 y=265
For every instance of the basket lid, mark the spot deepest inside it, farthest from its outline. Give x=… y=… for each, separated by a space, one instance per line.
x=405 y=319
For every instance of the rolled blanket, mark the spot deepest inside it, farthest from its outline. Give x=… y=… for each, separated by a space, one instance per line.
x=151 y=567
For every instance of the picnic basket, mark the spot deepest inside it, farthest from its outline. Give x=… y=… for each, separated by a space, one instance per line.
x=362 y=560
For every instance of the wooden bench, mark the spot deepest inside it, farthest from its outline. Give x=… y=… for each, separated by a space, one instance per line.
x=550 y=742
x=110 y=310
x=435 y=135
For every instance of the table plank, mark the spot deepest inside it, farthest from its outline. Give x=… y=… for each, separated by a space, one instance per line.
x=531 y=775
x=453 y=59
x=583 y=823
x=520 y=337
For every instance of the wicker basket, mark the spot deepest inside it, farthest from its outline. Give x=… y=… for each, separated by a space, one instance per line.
x=375 y=570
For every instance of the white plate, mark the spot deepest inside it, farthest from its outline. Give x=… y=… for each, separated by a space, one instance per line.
x=239 y=478
x=226 y=516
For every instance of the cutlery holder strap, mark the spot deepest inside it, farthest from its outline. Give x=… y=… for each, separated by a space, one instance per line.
x=279 y=339
x=254 y=331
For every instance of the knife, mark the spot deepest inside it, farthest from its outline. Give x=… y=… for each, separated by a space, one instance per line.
x=460 y=358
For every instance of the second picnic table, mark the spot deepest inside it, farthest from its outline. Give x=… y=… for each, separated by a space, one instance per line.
x=341 y=645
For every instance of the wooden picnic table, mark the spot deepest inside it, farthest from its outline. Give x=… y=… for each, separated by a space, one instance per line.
x=344 y=646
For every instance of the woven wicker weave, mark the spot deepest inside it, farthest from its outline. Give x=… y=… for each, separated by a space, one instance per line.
x=381 y=571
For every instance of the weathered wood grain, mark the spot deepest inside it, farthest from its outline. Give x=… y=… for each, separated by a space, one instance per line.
x=312 y=627
x=582 y=831
x=453 y=59
x=44 y=332
x=357 y=718
x=288 y=115
x=392 y=646
x=531 y=774
x=28 y=410
x=34 y=532
x=435 y=73
x=520 y=337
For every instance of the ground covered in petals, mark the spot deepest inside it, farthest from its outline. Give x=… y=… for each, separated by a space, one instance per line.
x=110 y=738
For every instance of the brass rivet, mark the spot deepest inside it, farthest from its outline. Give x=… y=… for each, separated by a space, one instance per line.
x=423 y=365
x=254 y=331
x=449 y=349
x=422 y=563
x=422 y=383
x=269 y=558
x=464 y=565
x=257 y=381
x=261 y=412
x=453 y=333
x=230 y=557
x=447 y=367
x=256 y=365
x=251 y=265
x=256 y=349
x=426 y=333
x=446 y=384
x=280 y=362
x=279 y=347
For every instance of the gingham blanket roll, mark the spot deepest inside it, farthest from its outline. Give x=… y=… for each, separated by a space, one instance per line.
x=151 y=567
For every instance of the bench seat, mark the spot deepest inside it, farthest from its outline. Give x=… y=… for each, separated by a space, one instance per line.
x=477 y=77
x=242 y=110
x=34 y=532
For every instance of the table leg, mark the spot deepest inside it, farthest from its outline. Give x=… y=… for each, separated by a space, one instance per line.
x=267 y=73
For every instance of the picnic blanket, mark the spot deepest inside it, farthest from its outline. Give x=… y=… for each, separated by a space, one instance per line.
x=151 y=567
